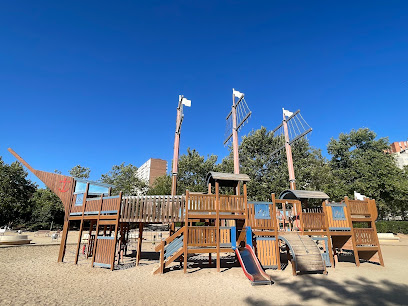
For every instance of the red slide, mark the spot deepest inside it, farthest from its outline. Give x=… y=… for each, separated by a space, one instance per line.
x=252 y=268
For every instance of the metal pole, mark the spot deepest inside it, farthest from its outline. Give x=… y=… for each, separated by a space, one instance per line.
x=292 y=180
x=176 y=147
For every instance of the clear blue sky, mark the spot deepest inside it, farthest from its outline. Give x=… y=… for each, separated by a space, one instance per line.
x=96 y=83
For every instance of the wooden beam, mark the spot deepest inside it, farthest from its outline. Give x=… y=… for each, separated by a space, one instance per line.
x=217 y=204
x=139 y=243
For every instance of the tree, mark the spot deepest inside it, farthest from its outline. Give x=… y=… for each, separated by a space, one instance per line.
x=161 y=186
x=193 y=170
x=360 y=163
x=15 y=193
x=80 y=172
x=125 y=179
x=47 y=209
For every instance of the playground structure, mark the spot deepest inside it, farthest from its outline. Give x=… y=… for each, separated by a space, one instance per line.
x=260 y=234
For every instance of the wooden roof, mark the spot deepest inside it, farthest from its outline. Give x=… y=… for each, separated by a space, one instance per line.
x=303 y=194
x=226 y=179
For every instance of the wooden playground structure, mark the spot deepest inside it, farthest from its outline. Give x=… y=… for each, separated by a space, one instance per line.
x=260 y=234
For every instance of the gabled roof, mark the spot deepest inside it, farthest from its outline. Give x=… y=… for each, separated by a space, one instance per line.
x=303 y=194
x=226 y=179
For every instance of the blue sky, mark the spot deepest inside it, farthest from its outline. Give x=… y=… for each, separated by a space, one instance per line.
x=96 y=83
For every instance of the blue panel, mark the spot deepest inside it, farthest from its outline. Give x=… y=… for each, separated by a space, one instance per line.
x=95 y=189
x=336 y=204
x=339 y=229
x=265 y=238
x=233 y=238
x=80 y=187
x=262 y=211
x=76 y=214
x=174 y=246
x=103 y=265
x=91 y=213
x=249 y=236
x=79 y=199
x=108 y=212
x=258 y=202
x=111 y=197
x=338 y=213
x=106 y=237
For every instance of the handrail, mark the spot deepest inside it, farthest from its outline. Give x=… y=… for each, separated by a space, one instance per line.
x=170 y=239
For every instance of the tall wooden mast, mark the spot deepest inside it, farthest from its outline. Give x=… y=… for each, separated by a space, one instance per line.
x=292 y=179
x=179 y=120
x=235 y=135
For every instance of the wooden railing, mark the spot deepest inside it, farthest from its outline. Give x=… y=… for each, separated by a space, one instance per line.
x=158 y=209
x=231 y=203
x=202 y=236
x=359 y=207
x=313 y=221
x=201 y=203
x=254 y=223
x=365 y=236
x=94 y=205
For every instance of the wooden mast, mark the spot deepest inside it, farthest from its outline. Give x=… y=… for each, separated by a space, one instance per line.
x=292 y=180
x=176 y=147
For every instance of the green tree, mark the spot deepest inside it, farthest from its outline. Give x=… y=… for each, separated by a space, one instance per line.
x=360 y=163
x=161 y=186
x=47 y=208
x=79 y=172
x=125 y=179
x=15 y=193
x=193 y=170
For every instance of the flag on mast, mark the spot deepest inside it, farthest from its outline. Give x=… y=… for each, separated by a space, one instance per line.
x=237 y=94
x=287 y=113
x=186 y=102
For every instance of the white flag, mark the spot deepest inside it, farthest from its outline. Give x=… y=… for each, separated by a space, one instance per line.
x=186 y=102
x=287 y=113
x=359 y=196
x=237 y=94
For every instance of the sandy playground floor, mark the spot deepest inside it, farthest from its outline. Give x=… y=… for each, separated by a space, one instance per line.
x=30 y=275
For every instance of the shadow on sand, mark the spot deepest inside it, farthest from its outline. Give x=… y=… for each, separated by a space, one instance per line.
x=360 y=291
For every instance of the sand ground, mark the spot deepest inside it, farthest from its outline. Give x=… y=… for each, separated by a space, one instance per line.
x=30 y=275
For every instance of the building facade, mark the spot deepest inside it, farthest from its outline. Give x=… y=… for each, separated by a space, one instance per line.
x=400 y=150
x=151 y=170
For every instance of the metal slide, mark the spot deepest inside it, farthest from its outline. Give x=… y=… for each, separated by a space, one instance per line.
x=252 y=268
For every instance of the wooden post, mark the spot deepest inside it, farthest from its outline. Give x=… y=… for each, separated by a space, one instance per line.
x=82 y=223
x=217 y=205
x=139 y=243
x=326 y=225
x=116 y=231
x=373 y=215
x=275 y=229
x=353 y=238
x=185 y=239
x=64 y=237
x=97 y=230
x=292 y=180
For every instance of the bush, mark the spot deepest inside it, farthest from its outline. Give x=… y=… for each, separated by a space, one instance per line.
x=392 y=227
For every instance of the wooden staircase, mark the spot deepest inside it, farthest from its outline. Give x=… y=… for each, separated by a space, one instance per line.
x=367 y=245
x=170 y=249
